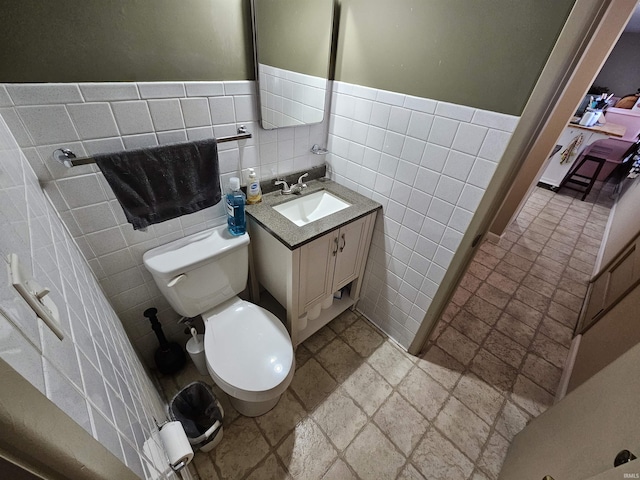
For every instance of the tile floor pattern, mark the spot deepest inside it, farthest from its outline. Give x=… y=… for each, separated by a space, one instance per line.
x=359 y=407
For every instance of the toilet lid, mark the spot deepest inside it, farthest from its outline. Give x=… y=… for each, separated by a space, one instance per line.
x=247 y=346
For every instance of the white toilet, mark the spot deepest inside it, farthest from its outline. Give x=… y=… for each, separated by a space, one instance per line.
x=248 y=349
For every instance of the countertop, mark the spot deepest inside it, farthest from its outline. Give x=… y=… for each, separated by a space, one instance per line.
x=292 y=236
x=611 y=129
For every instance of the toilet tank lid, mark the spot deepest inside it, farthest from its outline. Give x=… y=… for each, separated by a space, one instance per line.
x=191 y=251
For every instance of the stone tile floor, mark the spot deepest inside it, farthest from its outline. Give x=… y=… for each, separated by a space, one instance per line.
x=359 y=407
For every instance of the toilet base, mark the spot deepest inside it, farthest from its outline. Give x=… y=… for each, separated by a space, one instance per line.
x=253 y=409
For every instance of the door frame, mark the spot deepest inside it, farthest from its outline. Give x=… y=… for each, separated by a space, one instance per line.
x=587 y=38
x=39 y=437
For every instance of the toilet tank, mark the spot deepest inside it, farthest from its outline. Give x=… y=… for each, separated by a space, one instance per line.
x=198 y=272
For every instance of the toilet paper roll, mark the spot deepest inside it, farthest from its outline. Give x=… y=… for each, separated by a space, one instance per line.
x=302 y=322
x=176 y=445
x=314 y=312
x=327 y=302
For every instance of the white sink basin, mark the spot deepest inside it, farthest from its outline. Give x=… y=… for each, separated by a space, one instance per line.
x=312 y=207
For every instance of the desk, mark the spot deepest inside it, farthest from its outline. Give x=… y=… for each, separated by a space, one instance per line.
x=555 y=171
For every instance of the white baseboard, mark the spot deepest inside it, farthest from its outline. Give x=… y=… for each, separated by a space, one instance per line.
x=492 y=237
x=568 y=369
x=605 y=237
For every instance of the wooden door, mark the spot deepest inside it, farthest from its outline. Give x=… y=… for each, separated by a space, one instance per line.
x=580 y=436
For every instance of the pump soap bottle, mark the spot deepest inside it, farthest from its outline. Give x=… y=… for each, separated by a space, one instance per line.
x=254 y=192
x=236 y=222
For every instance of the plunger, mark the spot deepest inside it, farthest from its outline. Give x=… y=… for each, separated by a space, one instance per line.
x=169 y=356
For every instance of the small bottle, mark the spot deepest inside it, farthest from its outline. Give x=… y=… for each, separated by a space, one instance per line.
x=235 y=208
x=254 y=192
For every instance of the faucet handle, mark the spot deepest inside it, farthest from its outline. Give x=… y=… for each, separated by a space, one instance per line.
x=301 y=177
x=285 y=189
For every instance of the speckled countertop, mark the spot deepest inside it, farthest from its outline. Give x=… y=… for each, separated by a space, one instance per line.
x=292 y=236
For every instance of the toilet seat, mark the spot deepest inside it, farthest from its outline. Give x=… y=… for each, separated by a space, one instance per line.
x=248 y=350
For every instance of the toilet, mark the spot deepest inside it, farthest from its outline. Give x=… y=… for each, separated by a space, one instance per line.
x=248 y=350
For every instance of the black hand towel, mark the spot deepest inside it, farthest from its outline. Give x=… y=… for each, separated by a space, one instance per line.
x=160 y=183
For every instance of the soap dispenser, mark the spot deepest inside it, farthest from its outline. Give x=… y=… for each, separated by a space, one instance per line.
x=254 y=192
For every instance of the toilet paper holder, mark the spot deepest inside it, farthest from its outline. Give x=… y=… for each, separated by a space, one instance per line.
x=177 y=449
x=179 y=466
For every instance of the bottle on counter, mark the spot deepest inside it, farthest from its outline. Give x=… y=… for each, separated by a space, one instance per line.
x=236 y=222
x=254 y=192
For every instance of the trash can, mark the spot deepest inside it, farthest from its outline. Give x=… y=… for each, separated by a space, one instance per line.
x=196 y=407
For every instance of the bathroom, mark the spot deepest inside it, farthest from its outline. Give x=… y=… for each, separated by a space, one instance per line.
x=200 y=81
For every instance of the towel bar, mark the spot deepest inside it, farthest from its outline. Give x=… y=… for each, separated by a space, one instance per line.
x=67 y=158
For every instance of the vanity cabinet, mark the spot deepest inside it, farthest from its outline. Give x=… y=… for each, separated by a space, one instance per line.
x=304 y=279
x=330 y=262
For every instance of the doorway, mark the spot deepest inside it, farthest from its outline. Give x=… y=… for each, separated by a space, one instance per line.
x=590 y=33
x=510 y=319
x=542 y=239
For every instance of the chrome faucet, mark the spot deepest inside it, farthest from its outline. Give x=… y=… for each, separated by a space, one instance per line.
x=285 y=189
x=296 y=188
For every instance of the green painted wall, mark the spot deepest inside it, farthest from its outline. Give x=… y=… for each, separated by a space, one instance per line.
x=128 y=40
x=482 y=53
x=295 y=34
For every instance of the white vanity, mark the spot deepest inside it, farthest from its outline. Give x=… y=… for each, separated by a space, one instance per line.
x=303 y=266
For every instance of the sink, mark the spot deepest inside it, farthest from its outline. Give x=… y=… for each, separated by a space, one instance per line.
x=311 y=207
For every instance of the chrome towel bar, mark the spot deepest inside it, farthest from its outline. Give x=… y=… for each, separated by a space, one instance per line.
x=67 y=158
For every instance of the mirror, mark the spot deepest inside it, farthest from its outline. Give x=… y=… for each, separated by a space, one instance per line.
x=292 y=44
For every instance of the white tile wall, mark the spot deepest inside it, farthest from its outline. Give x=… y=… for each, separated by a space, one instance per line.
x=47 y=123
x=93 y=375
x=107 y=117
x=428 y=163
x=290 y=98
x=93 y=120
x=196 y=112
x=105 y=92
x=133 y=117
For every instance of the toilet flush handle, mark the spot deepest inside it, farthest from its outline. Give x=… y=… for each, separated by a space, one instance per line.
x=175 y=280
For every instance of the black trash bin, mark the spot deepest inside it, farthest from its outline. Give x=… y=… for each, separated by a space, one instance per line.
x=196 y=407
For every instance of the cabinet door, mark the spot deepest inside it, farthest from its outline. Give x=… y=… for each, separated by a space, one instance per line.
x=317 y=261
x=613 y=283
x=349 y=256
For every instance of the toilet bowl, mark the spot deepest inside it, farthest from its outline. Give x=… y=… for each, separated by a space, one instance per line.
x=248 y=350
x=250 y=356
